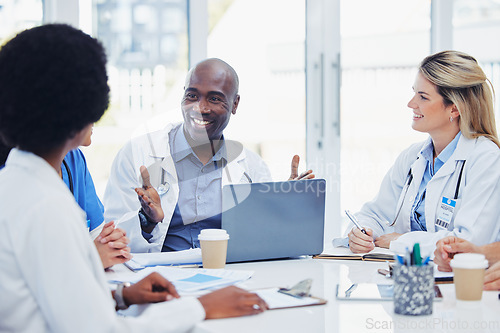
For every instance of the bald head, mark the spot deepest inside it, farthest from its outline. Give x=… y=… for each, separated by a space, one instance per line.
x=218 y=70
x=210 y=98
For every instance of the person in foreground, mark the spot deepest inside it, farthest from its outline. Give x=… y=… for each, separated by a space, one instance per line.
x=178 y=172
x=449 y=185
x=447 y=247
x=111 y=242
x=53 y=279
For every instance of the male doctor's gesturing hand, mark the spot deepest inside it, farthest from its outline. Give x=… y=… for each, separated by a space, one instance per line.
x=294 y=175
x=149 y=198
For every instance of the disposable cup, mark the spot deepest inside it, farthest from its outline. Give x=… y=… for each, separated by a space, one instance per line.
x=468 y=275
x=213 y=243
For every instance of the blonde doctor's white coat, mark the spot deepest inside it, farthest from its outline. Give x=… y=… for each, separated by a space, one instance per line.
x=153 y=150
x=477 y=213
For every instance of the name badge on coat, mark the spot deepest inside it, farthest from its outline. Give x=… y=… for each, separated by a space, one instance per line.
x=445 y=213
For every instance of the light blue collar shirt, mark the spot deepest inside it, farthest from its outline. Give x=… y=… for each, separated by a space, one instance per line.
x=417 y=216
x=200 y=199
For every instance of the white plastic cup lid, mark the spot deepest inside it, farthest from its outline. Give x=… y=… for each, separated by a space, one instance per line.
x=213 y=234
x=469 y=261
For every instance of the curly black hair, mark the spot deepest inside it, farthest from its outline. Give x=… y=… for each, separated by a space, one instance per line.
x=4 y=153
x=53 y=83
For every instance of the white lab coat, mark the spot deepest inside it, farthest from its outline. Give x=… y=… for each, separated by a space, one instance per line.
x=52 y=279
x=153 y=150
x=477 y=213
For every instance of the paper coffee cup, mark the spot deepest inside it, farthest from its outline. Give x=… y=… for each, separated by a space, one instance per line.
x=468 y=275
x=213 y=243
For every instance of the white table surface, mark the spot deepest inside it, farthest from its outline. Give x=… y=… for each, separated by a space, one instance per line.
x=350 y=316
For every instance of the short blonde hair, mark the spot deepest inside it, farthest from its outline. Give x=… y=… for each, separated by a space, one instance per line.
x=460 y=81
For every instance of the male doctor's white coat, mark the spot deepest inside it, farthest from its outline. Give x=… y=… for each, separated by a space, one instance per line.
x=153 y=150
x=477 y=213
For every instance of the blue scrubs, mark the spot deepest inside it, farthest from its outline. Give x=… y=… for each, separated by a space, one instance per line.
x=83 y=187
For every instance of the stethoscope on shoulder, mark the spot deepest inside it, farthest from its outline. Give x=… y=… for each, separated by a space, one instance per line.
x=70 y=178
x=409 y=179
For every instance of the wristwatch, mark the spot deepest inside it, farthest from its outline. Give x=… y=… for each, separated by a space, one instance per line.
x=118 y=296
x=146 y=222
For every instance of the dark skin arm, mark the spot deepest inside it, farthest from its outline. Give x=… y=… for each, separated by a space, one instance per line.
x=223 y=303
x=112 y=245
x=231 y=302
x=154 y=288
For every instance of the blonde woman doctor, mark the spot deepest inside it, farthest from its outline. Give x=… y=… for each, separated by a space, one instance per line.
x=449 y=185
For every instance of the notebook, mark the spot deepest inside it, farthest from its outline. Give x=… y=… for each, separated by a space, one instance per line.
x=343 y=253
x=274 y=220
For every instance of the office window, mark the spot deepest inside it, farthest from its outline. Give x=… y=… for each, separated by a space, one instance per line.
x=267 y=51
x=382 y=43
x=476 y=25
x=18 y=15
x=147 y=48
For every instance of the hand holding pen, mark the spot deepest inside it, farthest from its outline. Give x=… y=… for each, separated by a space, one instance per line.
x=355 y=221
x=360 y=239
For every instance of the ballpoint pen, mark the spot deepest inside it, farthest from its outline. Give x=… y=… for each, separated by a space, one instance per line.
x=355 y=221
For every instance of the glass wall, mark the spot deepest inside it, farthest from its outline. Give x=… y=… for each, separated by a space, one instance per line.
x=267 y=51
x=147 y=47
x=476 y=25
x=382 y=43
x=17 y=15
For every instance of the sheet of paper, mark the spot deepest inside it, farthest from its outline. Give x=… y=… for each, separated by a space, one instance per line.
x=142 y=260
x=277 y=300
x=439 y=274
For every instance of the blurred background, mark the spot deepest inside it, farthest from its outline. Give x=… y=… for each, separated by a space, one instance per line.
x=326 y=79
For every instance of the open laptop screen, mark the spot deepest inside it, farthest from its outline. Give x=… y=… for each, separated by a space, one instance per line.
x=274 y=220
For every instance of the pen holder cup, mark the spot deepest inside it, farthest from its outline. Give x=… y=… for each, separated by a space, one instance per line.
x=413 y=290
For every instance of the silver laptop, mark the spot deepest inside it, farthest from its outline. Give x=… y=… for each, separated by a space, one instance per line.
x=274 y=220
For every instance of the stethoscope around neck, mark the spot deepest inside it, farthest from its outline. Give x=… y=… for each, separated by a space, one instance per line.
x=409 y=179
x=164 y=186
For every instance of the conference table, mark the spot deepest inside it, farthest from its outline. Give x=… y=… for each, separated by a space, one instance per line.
x=449 y=315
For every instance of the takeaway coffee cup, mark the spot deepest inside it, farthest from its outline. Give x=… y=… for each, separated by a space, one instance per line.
x=213 y=243
x=468 y=275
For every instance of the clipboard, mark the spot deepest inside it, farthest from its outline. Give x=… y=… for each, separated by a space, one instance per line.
x=276 y=300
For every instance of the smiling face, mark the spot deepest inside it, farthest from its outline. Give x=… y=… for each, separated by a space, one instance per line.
x=430 y=114
x=210 y=97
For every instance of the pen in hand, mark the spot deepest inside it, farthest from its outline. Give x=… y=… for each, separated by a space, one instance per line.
x=355 y=221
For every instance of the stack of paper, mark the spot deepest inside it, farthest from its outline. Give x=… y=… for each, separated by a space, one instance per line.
x=188 y=280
